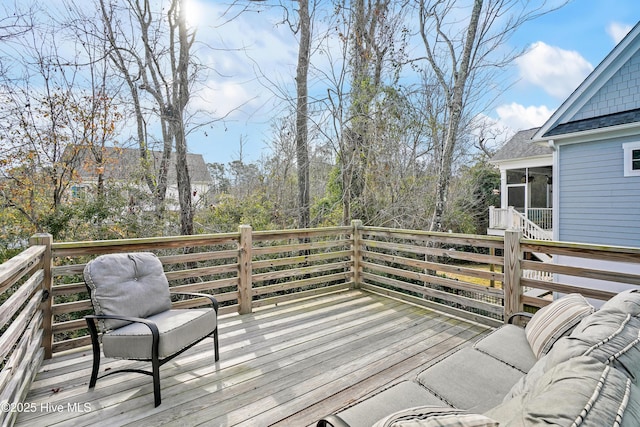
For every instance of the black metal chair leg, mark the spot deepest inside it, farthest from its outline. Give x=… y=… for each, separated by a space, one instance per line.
x=96 y=352
x=215 y=345
x=156 y=381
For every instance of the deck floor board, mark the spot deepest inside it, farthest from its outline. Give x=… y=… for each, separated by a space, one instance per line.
x=287 y=366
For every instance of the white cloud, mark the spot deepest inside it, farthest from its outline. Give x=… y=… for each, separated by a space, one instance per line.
x=617 y=31
x=518 y=117
x=494 y=132
x=557 y=71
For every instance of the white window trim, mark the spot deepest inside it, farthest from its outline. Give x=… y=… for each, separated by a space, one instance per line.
x=628 y=148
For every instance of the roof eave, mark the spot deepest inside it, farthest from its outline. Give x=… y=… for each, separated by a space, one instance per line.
x=627 y=129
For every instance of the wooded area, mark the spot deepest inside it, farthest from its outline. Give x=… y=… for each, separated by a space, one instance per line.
x=395 y=137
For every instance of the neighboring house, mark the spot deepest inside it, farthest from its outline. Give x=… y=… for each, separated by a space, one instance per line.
x=122 y=166
x=526 y=190
x=594 y=137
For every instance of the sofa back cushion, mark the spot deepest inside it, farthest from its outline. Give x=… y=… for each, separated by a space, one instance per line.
x=131 y=285
x=611 y=336
x=581 y=391
x=555 y=320
x=626 y=301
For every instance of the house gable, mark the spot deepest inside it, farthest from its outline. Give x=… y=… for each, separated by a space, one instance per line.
x=619 y=94
x=609 y=98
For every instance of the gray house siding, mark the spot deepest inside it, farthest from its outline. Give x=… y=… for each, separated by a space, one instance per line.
x=620 y=93
x=598 y=204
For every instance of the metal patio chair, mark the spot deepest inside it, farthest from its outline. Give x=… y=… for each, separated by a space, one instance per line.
x=133 y=315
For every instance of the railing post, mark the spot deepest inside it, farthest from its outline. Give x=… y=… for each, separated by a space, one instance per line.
x=356 y=256
x=245 y=293
x=511 y=218
x=512 y=273
x=45 y=239
x=492 y=217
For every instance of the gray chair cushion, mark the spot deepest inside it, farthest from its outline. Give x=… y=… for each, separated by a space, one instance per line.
x=178 y=329
x=128 y=285
x=404 y=395
x=581 y=390
x=470 y=380
x=509 y=345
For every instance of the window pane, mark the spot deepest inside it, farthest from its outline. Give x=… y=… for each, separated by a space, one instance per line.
x=635 y=160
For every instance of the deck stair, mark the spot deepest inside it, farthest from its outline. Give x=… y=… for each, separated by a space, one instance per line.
x=511 y=219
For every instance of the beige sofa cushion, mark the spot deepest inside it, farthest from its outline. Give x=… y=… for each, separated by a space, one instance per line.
x=431 y=416
x=509 y=345
x=469 y=379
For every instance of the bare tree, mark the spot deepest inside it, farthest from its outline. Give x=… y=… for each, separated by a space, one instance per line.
x=56 y=105
x=159 y=68
x=460 y=56
x=371 y=31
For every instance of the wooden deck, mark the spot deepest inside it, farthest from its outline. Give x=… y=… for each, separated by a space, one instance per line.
x=287 y=365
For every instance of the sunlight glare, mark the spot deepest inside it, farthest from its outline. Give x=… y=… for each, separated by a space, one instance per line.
x=193 y=12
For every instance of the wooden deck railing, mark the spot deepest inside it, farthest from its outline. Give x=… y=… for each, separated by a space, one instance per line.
x=43 y=296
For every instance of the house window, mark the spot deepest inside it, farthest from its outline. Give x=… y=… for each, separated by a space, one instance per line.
x=631 y=158
x=78 y=192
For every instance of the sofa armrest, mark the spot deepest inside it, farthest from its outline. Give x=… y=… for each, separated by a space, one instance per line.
x=332 y=421
x=524 y=314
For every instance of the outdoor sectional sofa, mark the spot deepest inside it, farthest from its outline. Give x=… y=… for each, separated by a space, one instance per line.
x=570 y=366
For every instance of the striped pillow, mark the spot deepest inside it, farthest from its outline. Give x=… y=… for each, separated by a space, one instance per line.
x=555 y=320
x=434 y=416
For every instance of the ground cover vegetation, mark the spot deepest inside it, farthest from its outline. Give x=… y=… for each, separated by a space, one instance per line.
x=396 y=138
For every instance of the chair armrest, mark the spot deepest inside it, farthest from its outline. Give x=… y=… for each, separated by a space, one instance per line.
x=151 y=325
x=519 y=314
x=213 y=299
x=332 y=421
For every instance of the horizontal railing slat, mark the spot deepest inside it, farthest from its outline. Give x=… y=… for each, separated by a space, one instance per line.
x=434 y=280
x=567 y=288
x=12 y=305
x=426 y=265
x=17 y=267
x=434 y=293
x=435 y=252
x=15 y=330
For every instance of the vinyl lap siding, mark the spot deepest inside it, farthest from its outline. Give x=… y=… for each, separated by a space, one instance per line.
x=597 y=203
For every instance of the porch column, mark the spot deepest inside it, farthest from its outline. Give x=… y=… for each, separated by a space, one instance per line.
x=504 y=193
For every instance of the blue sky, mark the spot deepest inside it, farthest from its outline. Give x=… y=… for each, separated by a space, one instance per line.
x=562 y=48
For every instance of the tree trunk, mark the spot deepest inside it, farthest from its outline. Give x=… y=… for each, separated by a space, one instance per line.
x=455 y=102
x=181 y=94
x=302 y=150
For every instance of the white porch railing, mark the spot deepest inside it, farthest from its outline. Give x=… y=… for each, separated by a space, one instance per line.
x=530 y=230
x=511 y=219
x=536 y=225
x=542 y=217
